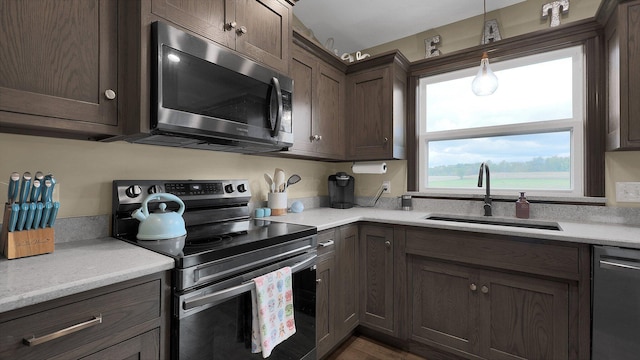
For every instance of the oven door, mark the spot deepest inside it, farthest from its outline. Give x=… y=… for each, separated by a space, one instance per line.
x=215 y=322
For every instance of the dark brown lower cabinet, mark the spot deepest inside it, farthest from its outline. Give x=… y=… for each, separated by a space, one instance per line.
x=484 y=296
x=325 y=293
x=337 y=300
x=488 y=313
x=128 y=320
x=143 y=346
x=377 y=306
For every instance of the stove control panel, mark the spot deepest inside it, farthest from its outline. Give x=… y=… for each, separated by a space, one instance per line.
x=135 y=191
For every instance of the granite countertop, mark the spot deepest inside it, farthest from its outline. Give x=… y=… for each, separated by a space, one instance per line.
x=589 y=233
x=83 y=265
x=72 y=268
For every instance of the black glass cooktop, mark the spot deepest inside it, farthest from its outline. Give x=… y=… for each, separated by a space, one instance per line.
x=206 y=243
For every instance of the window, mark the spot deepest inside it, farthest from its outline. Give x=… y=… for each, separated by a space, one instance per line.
x=530 y=131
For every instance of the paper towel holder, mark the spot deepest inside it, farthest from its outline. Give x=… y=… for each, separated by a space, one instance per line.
x=369 y=167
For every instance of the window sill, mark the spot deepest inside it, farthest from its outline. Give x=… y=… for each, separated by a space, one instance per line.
x=587 y=201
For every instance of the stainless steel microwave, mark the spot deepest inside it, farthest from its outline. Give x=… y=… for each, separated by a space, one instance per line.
x=206 y=96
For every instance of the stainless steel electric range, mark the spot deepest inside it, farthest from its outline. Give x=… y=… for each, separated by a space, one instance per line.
x=224 y=249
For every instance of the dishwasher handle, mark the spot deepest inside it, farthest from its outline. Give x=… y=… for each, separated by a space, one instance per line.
x=620 y=264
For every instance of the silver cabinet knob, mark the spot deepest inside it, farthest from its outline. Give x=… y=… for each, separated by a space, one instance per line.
x=473 y=287
x=387 y=243
x=386 y=139
x=484 y=289
x=315 y=137
x=318 y=281
x=231 y=25
x=241 y=30
x=110 y=94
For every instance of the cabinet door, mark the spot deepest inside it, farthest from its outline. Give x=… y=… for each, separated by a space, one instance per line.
x=302 y=73
x=443 y=305
x=328 y=119
x=523 y=317
x=347 y=280
x=369 y=115
x=58 y=60
x=325 y=303
x=376 y=282
x=268 y=31
x=208 y=18
x=623 y=61
x=145 y=346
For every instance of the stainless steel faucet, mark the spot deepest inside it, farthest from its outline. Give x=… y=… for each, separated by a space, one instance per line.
x=487 y=196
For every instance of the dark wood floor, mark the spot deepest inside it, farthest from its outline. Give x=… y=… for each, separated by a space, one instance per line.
x=359 y=347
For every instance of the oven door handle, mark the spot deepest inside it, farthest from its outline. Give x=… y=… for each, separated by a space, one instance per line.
x=239 y=289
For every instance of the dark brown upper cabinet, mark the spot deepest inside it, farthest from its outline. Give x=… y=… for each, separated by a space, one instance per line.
x=622 y=46
x=318 y=102
x=260 y=29
x=376 y=110
x=59 y=68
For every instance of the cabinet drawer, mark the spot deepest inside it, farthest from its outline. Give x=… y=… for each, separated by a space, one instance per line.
x=326 y=241
x=536 y=256
x=60 y=329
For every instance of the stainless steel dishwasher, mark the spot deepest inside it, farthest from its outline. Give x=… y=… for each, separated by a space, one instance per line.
x=616 y=303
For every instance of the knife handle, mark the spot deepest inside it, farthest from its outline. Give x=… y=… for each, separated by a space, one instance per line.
x=13 y=219
x=14 y=187
x=47 y=190
x=25 y=186
x=46 y=213
x=38 y=215
x=30 y=215
x=54 y=213
x=35 y=191
x=22 y=217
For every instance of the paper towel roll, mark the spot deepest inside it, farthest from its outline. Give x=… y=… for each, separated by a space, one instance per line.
x=371 y=167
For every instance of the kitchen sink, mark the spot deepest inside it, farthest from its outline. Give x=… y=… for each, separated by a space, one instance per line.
x=487 y=220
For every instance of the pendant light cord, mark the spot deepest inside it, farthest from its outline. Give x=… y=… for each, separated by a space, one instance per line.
x=484 y=21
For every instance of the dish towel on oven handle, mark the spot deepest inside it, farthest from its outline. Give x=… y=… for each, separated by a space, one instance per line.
x=272 y=311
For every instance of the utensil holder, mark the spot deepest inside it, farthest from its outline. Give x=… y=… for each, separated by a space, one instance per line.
x=277 y=203
x=18 y=244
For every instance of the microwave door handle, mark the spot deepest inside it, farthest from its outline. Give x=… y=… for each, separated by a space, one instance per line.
x=278 y=93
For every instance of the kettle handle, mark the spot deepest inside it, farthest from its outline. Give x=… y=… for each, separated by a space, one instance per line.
x=162 y=196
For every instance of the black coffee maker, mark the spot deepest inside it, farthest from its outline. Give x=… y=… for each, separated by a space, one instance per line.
x=341 y=188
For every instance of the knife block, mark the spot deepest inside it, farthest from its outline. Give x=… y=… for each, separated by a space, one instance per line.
x=17 y=244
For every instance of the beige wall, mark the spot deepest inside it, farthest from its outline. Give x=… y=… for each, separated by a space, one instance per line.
x=85 y=169
x=518 y=19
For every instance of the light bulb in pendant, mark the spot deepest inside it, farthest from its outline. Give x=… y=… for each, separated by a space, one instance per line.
x=485 y=82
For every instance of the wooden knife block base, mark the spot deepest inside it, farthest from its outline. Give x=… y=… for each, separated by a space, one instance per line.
x=17 y=244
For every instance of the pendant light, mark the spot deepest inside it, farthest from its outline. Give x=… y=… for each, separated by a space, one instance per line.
x=485 y=83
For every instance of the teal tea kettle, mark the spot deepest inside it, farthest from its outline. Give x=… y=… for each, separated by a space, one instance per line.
x=161 y=224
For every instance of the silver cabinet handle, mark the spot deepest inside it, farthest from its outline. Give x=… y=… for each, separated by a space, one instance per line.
x=110 y=94
x=386 y=139
x=241 y=30
x=231 y=25
x=473 y=287
x=387 y=243
x=484 y=289
x=326 y=243
x=318 y=281
x=33 y=341
x=315 y=137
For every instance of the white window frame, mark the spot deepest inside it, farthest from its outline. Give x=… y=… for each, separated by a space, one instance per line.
x=575 y=125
